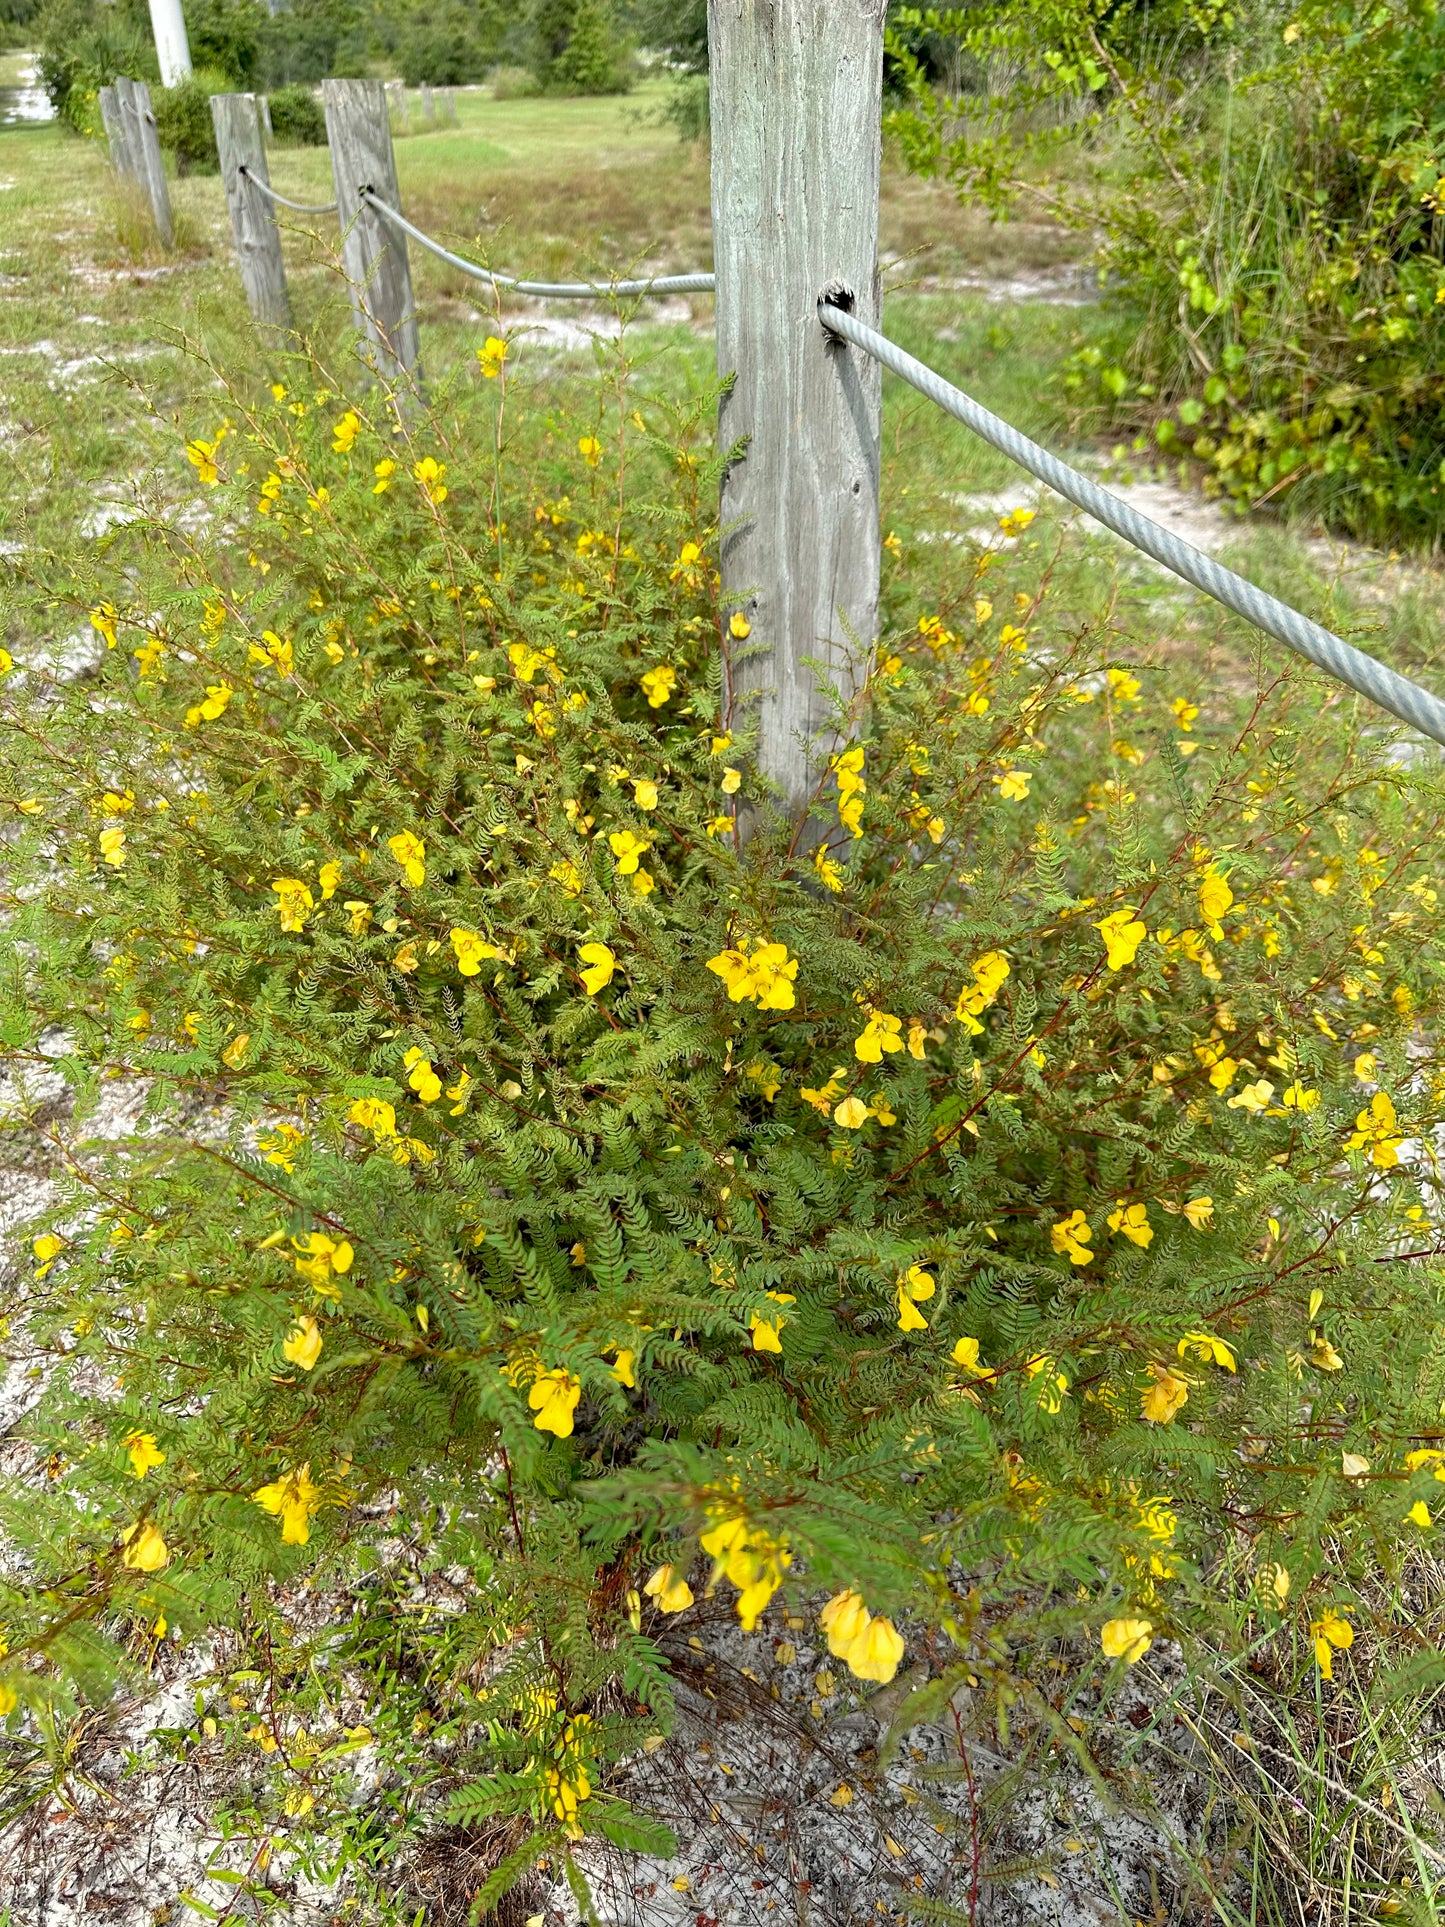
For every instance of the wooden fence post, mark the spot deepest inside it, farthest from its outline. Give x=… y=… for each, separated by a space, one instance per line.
x=116 y=134
x=134 y=97
x=253 y=219
x=428 y=105
x=374 y=253
x=796 y=157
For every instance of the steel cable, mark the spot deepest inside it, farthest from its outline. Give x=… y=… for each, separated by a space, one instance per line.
x=1338 y=658
x=554 y=290
x=298 y=207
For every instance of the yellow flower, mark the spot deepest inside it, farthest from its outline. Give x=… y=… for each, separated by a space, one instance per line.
x=1013 y=784
x=622 y=1368
x=302 y=1345
x=1215 y=898
x=345 y=432
x=767 y=1331
x=1166 y=1396
x=383 y=472
x=1273 y=1582
x=1331 y=1629
x=739 y=628
x=881 y=1034
x=1122 y=933
x=202 y=457
x=851 y=1114
x=9 y=1699
x=319 y=1255
x=989 y=973
x=601 y=967
x=871 y=1648
x=1133 y=1221
x=645 y=792
x=628 y=849
x=1124 y=686
x=141 y=1450
x=329 y=877
x=1253 y=1098
x=1419 y=1514
x=1206 y=1346
x=492 y=355
x=360 y=914
x=460 y=1093
x=1054 y=1386
x=1200 y=1212
x=102 y=620
x=271 y=651
x=234 y=1055
x=423 y=1080
x=1185 y=712
x=553 y=1398
x=1126 y=1639
x=590 y=449
x=218 y=695
x=965 y=1353
x=294 y=902
x=670 y=1589
x=643 y=882
x=145 y=1549
x=568 y=875
x=112 y=846
x=830 y=872
x=658 y=684
x=294 y=1500
x=472 y=951
x=410 y=853
x=732 y=780
x=852 y=789
x=1297 y=1098
x=428 y=474
x=912 y=1289
x=765 y=974
x=1376 y=1126
x=1324 y=1357
x=1070 y=1238
x=1365 y=1066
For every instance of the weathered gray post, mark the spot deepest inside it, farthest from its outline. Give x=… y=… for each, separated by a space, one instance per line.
x=428 y=105
x=253 y=219
x=373 y=253
x=796 y=156
x=116 y=134
x=449 y=101
x=134 y=97
x=396 y=93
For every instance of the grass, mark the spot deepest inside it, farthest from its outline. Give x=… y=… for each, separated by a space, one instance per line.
x=1322 y=1801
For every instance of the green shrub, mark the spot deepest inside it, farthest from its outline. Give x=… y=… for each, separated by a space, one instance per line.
x=297 y=119
x=578 y=49
x=1024 y=1201
x=514 y=83
x=442 y=49
x=225 y=38
x=1266 y=187
x=83 y=48
x=183 y=121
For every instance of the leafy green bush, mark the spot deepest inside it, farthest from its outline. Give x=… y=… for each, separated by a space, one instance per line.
x=82 y=49
x=442 y=49
x=1268 y=196
x=226 y=38
x=297 y=119
x=183 y=121
x=578 y=49
x=514 y=83
x=1028 y=1198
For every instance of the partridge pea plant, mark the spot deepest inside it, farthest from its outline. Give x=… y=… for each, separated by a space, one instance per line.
x=1020 y=1200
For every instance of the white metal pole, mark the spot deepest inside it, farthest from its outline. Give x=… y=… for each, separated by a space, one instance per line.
x=173 y=49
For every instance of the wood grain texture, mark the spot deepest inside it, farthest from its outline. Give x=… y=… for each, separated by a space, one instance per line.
x=237 y=122
x=375 y=257
x=796 y=157
x=116 y=134
x=134 y=97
